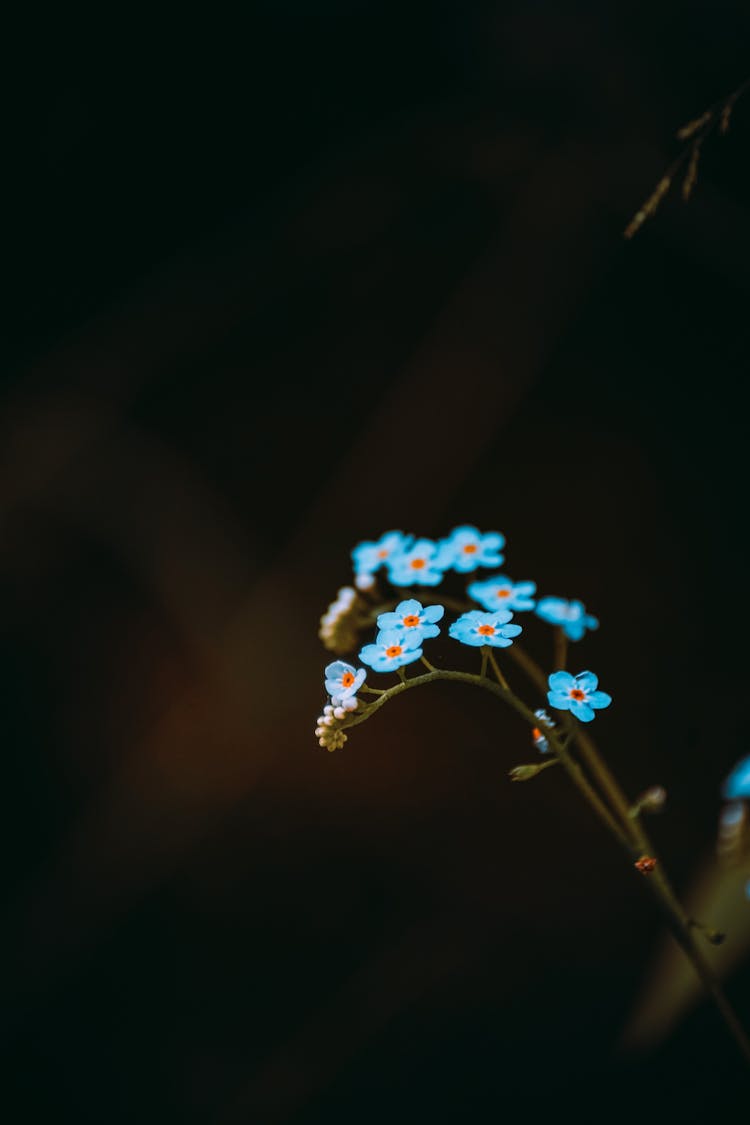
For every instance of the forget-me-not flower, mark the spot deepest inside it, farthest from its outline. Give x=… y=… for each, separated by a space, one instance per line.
x=416 y=565
x=467 y=548
x=476 y=628
x=343 y=680
x=410 y=614
x=538 y=736
x=571 y=615
x=371 y=554
x=577 y=694
x=393 y=648
x=502 y=593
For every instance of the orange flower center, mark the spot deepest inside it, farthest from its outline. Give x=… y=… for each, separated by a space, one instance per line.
x=382 y=553
x=417 y=564
x=411 y=620
x=347 y=679
x=470 y=548
x=393 y=650
x=486 y=630
x=576 y=693
x=503 y=592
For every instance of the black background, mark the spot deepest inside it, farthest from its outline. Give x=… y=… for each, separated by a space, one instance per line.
x=277 y=282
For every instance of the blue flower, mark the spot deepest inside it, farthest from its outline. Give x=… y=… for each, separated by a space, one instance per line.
x=737 y=785
x=571 y=615
x=502 y=593
x=392 y=649
x=538 y=736
x=467 y=548
x=411 y=615
x=477 y=628
x=369 y=555
x=416 y=565
x=343 y=680
x=577 y=694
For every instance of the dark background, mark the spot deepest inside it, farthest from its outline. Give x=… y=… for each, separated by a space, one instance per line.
x=276 y=283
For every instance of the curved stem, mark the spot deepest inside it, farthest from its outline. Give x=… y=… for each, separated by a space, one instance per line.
x=561 y=649
x=559 y=748
x=496 y=669
x=637 y=837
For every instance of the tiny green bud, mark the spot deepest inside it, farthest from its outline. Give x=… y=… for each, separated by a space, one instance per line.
x=524 y=773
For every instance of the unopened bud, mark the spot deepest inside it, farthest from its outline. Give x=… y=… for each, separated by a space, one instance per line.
x=524 y=773
x=645 y=864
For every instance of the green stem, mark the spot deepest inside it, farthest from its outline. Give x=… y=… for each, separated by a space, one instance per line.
x=504 y=693
x=560 y=650
x=496 y=669
x=637 y=838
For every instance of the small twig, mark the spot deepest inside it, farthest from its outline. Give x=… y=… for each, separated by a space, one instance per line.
x=696 y=132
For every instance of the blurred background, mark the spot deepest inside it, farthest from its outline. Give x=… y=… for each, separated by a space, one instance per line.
x=275 y=283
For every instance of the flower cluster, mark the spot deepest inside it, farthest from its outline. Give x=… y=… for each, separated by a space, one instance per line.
x=338 y=625
x=411 y=561
x=406 y=561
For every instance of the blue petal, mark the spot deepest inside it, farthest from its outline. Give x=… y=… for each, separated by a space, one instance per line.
x=429 y=630
x=587 y=680
x=370 y=654
x=433 y=613
x=336 y=669
x=498 y=641
x=388 y=621
x=574 y=630
x=737 y=785
x=472 y=639
x=561 y=681
x=599 y=699
x=388 y=637
x=409 y=657
x=581 y=710
x=511 y=630
x=409 y=608
x=559 y=699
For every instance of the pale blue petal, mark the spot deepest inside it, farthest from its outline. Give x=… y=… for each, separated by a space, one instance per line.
x=388 y=637
x=337 y=668
x=581 y=710
x=561 y=681
x=389 y=621
x=587 y=680
x=493 y=540
x=559 y=699
x=511 y=630
x=409 y=608
x=599 y=699
x=433 y=613
x=370 y=654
